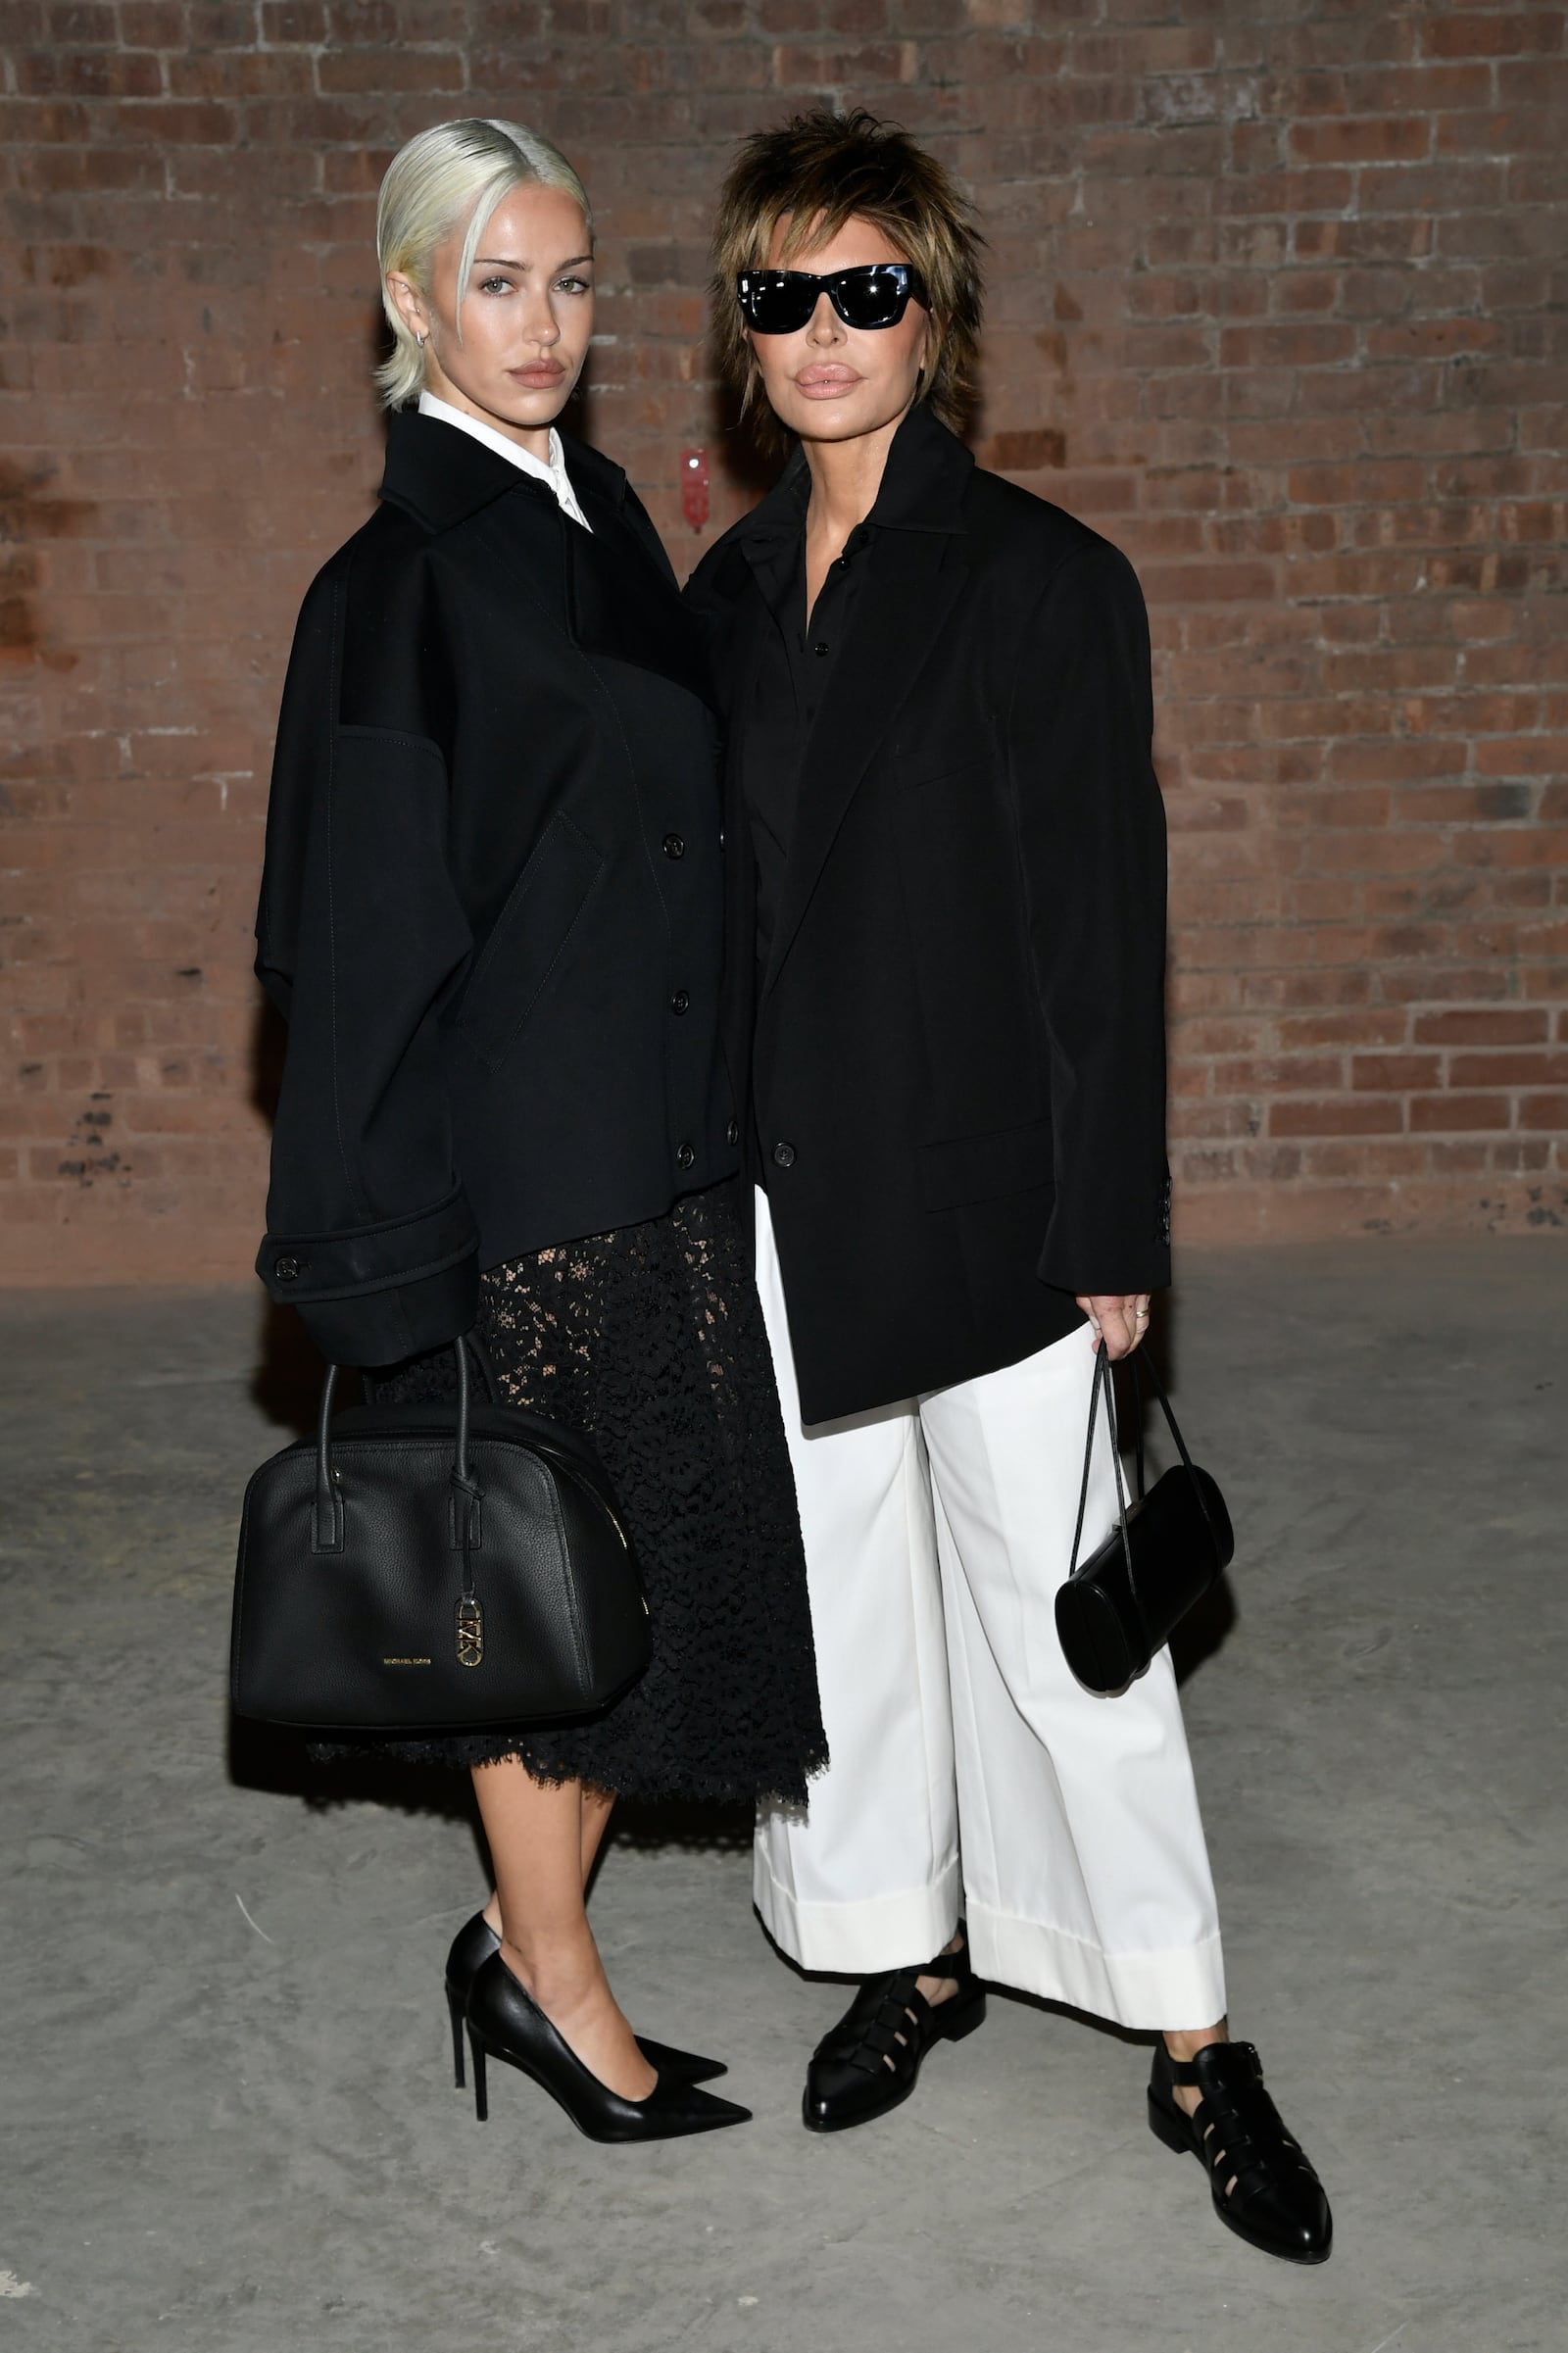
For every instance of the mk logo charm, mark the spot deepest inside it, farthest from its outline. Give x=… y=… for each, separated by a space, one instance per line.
x=470 y=1630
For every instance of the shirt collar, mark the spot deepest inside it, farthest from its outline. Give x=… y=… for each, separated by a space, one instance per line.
x=923 y=485
x=553 y=473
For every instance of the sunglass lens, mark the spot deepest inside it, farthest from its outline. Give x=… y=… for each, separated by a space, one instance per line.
x=869 y=297
x=775 y=301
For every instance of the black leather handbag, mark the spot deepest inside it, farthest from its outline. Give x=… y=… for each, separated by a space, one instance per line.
x=1124 y=1602
x=448 y=1567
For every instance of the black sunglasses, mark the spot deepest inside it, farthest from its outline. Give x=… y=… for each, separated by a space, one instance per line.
x=779 y=302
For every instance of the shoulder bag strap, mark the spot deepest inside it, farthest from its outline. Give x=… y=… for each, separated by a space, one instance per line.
x=1181 y=1444
x=1143 y=1362
x=1103 y=1379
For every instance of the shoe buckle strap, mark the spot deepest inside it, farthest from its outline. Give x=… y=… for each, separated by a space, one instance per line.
x=1239 y=2070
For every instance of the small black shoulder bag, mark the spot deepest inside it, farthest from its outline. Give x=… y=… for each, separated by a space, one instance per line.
x=445 y=1567
x=1126 y=1599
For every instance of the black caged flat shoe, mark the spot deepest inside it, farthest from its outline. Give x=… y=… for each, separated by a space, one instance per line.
x=870 y=2061
x=506 y=2022
x=1264 y=2187
x=473 y=1945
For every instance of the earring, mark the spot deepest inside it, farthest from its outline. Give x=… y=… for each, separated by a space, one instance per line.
x=421 y=340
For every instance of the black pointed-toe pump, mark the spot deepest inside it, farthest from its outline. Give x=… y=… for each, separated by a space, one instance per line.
x=473 y=1945
x=504 y=2022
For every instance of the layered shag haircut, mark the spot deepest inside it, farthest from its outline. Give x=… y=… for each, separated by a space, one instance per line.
x=455 y=172
x=813 y=175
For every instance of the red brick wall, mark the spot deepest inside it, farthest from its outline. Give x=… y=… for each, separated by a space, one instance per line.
x=1277 y=303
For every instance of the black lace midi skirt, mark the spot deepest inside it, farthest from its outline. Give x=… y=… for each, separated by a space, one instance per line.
x=650 y=1341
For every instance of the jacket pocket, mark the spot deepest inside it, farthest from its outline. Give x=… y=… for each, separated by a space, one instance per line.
x=983 y=1169
x=912 y=774
x=914 y=760
x=531 y=939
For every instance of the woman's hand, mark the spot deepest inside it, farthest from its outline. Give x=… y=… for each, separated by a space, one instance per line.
x=1118 y=1319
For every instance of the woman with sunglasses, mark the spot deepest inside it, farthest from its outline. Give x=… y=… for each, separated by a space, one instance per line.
x=491 y=915
x=946 y=947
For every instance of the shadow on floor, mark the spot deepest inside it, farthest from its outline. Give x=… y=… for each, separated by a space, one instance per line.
x=262 y=1757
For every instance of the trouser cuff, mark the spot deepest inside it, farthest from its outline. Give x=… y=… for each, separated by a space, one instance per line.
x=1177 y=1990
x=859 y=1939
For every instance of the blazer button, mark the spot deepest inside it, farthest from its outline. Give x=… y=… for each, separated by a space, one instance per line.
x=732 y=1134
x=680 y=1003
x=685 y=1155
x=289 y=1270
x=783 y=1155
x=674 y=847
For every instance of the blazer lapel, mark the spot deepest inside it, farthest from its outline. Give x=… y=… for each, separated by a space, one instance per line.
x=899 y=614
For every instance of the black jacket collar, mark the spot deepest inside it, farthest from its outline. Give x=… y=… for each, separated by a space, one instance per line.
x=441 y=475
x=922 y=486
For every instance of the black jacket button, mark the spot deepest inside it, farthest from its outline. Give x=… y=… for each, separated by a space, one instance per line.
x=288 y=1270
x=783 y=1155
x=674 y=847
x=732 y=1134
x=685 y=1155
x=680 y=1003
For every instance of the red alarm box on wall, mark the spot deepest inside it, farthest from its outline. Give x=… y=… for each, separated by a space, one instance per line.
x=693 y=487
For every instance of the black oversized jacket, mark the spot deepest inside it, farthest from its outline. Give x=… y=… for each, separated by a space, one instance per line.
x=491 y=904
x=952 y=1068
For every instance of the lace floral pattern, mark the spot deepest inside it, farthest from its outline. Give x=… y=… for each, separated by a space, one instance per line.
x=651 y=1342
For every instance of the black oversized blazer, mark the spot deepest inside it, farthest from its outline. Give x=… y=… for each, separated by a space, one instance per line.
x=953 y=1065
x=491 y=904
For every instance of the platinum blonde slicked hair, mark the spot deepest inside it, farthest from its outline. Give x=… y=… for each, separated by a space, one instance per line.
x=452 y=172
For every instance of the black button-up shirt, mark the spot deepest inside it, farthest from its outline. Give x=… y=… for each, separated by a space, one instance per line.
x=797 y=658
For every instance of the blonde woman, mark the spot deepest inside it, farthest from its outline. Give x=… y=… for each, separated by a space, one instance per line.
x=491 y=914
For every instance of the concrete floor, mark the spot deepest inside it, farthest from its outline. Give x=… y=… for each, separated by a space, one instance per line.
x=228 y=2121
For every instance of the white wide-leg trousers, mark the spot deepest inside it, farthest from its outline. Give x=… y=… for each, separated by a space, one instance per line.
x=970 y=1770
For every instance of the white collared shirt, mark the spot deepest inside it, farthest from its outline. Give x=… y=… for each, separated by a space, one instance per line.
x=555 y=473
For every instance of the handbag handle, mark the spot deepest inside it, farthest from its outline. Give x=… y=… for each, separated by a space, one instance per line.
x=1103 y=1372
x=326 y=1532
x=1138 y=1368
x=1102 y=1376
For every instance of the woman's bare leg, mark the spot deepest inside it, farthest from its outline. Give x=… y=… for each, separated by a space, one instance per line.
x=597 y=1806
x=596 y=1809
x=539 y=1834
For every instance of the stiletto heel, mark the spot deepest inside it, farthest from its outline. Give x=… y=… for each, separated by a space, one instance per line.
x=472 y=1946
x=506 y=2022
x=481 y=2097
